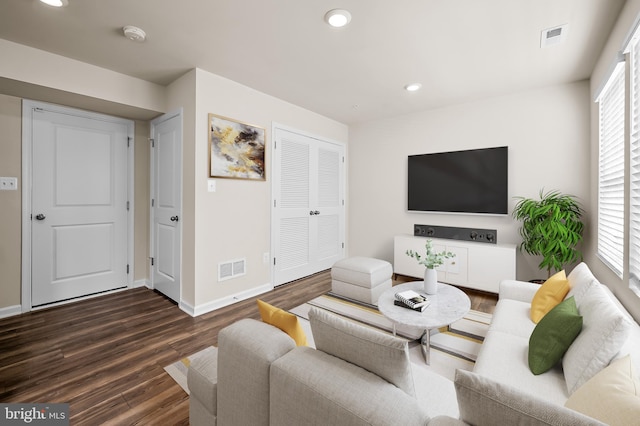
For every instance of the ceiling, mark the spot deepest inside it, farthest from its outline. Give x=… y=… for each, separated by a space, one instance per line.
x=459 y=50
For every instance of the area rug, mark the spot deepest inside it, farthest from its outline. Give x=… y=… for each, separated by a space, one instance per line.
x=452 y=348
x=178 y=370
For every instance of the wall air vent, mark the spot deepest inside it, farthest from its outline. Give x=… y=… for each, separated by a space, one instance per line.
x=554 y=35
x=232 y=269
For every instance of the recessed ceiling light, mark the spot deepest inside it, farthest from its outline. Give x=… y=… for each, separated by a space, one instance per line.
x=337 y=17
x=134 y=33
x=56 y=3
x=412 y=87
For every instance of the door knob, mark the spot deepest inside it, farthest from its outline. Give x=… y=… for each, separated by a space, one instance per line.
x=316 y=212
x=174 y=218
x=40 y=216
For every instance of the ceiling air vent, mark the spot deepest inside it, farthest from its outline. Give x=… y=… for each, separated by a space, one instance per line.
x=554 y=35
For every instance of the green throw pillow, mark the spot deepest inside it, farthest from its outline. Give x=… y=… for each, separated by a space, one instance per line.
x=553 y=335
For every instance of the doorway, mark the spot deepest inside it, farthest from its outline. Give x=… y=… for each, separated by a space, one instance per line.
x=166 y=204
x=77 y=214
x=308 y=221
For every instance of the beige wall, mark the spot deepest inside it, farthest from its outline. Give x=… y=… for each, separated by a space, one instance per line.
x=234 y=221
x=87 y=82
x=546 y=130
x=24 y=72
x=10 y=201
x=11 y=207
x=604 y=66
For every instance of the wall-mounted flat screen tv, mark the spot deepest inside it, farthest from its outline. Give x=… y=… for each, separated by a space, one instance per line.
x=471 y=181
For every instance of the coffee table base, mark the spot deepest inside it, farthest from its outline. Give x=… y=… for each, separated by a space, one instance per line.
x=425 y=344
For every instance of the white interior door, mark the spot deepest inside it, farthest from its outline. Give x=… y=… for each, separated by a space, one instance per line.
x=308 y=220
x=166 y=171
x=79 y=203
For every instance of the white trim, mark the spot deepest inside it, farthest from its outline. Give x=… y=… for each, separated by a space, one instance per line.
x=27 y=144
x=10 y=311
x=224 y=301
x=610 y=75
x=142 y=283
x=631 y=35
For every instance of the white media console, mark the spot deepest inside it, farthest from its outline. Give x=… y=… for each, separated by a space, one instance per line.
x=479 y=266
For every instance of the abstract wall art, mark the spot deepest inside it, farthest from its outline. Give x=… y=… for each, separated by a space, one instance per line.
x=236 y=149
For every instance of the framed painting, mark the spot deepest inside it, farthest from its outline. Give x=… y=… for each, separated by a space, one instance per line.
x=236 y=149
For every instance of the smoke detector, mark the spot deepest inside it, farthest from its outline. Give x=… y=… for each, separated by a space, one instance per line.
x=554 y=35
x=134 y=33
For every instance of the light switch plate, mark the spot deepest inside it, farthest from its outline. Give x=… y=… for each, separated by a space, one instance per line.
x=211 y=185
x=8 y=183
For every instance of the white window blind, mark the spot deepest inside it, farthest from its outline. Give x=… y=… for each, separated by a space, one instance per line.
x=611 y=172
x=634 y=162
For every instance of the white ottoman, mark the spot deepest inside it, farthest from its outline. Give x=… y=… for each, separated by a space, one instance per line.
x=361 y=278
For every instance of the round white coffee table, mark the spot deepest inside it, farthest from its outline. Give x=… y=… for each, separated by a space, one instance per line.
x=448 y=305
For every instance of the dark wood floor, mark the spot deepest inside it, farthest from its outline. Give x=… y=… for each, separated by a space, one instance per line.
x=105 y=356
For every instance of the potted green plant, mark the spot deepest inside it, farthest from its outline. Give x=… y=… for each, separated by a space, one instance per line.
x=430 y=260
x=551 y=227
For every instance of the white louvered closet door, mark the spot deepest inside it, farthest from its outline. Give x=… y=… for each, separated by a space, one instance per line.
x=308 y=205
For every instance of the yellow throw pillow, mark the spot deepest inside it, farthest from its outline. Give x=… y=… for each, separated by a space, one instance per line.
x=611 y=396
x=284 y=320
x=549 y=295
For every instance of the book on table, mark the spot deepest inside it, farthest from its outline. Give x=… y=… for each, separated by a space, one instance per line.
x=412 y=299
x=418 y=309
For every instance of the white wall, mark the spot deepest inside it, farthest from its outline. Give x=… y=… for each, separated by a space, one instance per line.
x=234 y=222
x=622 y=29
x=546 y=130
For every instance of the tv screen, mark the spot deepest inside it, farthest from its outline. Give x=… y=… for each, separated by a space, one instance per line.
x=471 y=181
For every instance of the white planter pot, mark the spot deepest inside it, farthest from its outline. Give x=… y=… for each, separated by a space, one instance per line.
x=430 y=281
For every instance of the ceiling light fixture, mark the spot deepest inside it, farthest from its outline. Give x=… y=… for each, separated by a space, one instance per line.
x=337 y=17
x=413 y=87
x=134 y=33
x=56 y=3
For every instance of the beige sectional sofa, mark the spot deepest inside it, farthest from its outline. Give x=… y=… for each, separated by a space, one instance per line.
x=359 y=376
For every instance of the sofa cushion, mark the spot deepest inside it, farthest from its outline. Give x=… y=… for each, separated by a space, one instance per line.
x=553 y=335
x=284 y=320
x=311 y=387
x=612 y=395
x=605 y=329
x=503 y=318
x=382 y=354
x=549 y=295
x=485 y=402
x=503 y=358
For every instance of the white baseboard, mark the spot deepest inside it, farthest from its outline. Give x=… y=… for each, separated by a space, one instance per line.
x=225 y=301
x=142 y=283
x=10 y=311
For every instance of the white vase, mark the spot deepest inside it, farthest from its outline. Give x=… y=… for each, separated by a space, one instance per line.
x=430 y=281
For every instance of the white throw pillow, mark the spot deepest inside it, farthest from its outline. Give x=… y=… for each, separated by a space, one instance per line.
x=611 y=396
x=604 y=330
x=580 y=281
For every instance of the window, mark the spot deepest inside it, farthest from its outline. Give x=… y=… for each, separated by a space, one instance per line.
x=611 y=172
x=634 y=164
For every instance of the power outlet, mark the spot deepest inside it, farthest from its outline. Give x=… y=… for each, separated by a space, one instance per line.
x=8 y=183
